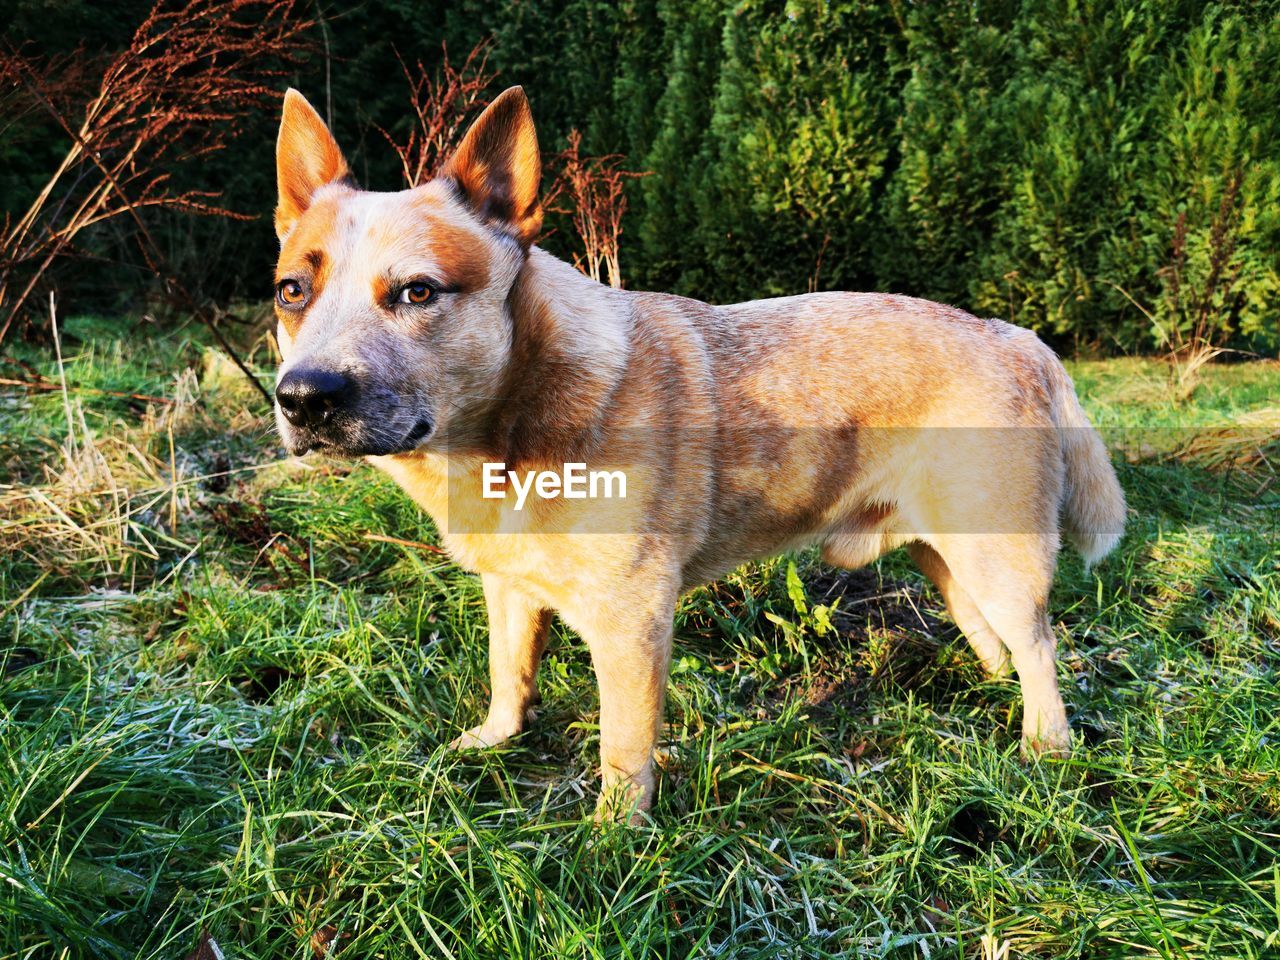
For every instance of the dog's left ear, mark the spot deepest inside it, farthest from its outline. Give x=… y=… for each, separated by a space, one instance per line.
x=307 y=157
x=497 y=167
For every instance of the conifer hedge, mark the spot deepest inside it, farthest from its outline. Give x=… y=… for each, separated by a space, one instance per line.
x=1104 y=171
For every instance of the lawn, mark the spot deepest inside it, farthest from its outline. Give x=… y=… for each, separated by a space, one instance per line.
x=227 y=679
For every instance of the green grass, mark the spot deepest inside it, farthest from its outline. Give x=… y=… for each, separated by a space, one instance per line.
x=222 y=708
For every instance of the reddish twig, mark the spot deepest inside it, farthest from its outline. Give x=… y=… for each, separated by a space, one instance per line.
x=442 y=105
x=191 y=73
x=593 y=188
x=48 y=386
x=413 y=544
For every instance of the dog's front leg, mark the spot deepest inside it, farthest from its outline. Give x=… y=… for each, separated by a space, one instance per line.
x=517 y=636
x=631 y=652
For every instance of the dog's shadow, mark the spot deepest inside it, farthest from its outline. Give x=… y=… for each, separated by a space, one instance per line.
x=895 y=640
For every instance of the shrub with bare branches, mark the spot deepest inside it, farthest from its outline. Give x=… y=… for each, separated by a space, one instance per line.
x=589 y=190
x=1197 y=316
x=443 y=104
x=1202 y=287
x=190 y=74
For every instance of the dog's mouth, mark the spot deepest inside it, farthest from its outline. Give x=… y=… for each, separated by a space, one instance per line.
x=361 y=445
x=420 y=433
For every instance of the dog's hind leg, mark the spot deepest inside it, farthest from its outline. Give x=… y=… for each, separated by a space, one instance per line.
x=988 y=647
x=1008 y=578
x=517 y=636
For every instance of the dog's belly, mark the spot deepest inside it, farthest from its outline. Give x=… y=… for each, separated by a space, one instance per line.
x=850 y=540
x=817 y=492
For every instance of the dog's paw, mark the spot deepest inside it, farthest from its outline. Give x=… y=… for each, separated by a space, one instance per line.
x=622 y=812
x=999 y=667
x=626 y=802
x=478 y=738
x=1056 y=744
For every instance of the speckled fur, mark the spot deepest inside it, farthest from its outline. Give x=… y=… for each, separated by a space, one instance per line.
x=856 y=422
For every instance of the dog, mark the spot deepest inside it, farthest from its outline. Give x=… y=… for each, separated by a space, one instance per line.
x=426 y=332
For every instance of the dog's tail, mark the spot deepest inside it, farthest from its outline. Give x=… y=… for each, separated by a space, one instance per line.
x=1093 y=508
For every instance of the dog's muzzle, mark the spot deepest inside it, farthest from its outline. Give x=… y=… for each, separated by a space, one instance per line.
x=323 y=411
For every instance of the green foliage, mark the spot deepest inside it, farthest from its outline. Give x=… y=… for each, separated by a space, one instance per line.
x=796 y=147
x=1103 y=171
x=1049 y=152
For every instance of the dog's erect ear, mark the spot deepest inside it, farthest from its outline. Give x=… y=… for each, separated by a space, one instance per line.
x=497 y=167
x=307 y=157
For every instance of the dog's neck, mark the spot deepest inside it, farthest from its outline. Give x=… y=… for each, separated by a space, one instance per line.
x=570 y=348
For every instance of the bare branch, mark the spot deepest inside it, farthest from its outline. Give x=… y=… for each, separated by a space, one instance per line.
x=190 y=75
x=589 y=190
x=442 y=105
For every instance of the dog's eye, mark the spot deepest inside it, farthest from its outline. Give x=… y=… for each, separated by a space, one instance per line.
x=289 y=292
x=417 y=292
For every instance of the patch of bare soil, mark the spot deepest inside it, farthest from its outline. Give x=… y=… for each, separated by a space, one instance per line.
x=898 y=633
x=868 y=602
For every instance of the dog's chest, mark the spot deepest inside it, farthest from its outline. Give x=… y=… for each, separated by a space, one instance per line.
x=485 y=535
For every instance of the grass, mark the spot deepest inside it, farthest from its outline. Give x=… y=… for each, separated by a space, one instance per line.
x=222 y=711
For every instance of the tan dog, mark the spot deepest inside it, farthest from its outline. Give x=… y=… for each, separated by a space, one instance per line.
x=424 y=331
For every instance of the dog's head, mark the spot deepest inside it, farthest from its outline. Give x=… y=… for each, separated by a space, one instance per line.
x=392 y=320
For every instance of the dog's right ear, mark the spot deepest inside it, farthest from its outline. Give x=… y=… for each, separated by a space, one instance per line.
x=307 y=157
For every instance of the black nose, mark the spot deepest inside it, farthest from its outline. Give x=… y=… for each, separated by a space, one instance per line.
x=308 y=398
